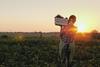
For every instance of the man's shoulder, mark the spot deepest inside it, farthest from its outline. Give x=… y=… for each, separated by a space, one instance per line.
x=69 y=26
x=74 y=26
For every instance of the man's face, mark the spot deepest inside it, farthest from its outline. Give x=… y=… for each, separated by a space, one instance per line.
x=72 y=21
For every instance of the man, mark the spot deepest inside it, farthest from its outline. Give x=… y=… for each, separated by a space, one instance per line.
x=67 y=34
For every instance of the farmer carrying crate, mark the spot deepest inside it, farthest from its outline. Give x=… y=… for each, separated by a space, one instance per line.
x=67 y=34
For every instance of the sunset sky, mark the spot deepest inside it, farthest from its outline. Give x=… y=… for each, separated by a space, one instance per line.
x=38 y=15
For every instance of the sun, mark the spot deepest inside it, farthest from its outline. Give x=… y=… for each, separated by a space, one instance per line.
x=81 y=27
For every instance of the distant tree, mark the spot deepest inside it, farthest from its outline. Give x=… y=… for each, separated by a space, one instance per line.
x=40 y=34
x=4 y=36
x=94 y=31
x=95 y=34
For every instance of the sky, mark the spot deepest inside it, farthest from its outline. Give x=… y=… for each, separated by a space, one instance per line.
x=38 y=15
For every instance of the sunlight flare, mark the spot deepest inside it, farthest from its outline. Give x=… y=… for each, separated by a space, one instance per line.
x=81 y=27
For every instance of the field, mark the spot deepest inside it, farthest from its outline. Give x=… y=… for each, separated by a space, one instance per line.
x=41 y=50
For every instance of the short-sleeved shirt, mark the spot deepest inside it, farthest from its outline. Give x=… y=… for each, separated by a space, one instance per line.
x=67 y=33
